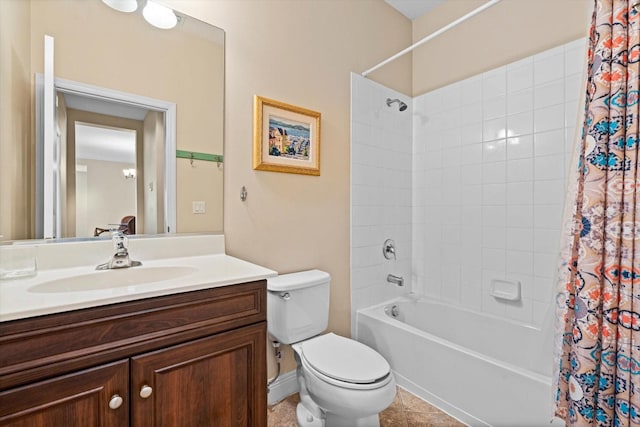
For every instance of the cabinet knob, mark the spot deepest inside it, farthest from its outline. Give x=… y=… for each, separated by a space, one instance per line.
x=145 y=391
x=115 y=402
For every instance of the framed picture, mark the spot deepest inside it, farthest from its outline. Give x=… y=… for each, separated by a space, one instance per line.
x=286 y=138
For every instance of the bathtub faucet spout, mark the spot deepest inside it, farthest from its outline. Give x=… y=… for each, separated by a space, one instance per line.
x=398 y=280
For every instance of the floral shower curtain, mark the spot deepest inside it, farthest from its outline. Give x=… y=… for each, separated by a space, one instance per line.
x=598 y=346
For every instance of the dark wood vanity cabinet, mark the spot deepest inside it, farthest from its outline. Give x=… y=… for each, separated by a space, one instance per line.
x=190 y=359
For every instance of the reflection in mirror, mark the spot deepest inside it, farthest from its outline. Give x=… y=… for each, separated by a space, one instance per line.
x=100 y=47
x=105 y=165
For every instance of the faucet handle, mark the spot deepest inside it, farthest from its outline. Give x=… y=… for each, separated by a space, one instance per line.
x=119 y=239
x=389 y=249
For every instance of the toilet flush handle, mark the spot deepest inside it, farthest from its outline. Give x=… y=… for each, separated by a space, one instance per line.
x=285 y=296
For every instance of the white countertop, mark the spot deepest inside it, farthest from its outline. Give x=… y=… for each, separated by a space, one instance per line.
x=28 y=297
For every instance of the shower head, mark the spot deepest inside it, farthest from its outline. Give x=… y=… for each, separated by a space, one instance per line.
x=401 y=105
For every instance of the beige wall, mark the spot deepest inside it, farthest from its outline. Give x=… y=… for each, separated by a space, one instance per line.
x=16 y=149
x=506 y=32
x=298 y=52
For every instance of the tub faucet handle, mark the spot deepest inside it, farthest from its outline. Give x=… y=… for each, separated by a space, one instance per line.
x=389 y=249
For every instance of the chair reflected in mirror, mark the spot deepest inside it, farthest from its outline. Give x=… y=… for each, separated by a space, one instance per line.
x=127 y=226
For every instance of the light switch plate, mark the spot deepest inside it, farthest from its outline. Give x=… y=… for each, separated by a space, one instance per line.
x=199 y=207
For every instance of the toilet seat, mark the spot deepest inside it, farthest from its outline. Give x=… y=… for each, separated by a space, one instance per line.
x=344 y=362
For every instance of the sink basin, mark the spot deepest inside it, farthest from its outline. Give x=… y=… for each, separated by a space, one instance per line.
x=109 y=279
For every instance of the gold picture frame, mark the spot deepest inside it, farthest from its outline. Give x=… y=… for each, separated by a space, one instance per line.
x=286 y=138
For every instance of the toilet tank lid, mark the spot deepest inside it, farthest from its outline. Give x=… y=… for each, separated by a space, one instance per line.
x=299 y=280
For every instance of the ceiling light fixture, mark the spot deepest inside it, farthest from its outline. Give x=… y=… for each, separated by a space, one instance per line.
x=122 y=5
x=159 y=16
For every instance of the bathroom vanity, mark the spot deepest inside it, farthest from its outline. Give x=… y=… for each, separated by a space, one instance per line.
x=190 y=356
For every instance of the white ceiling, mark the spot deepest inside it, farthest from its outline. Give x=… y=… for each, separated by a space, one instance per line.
x=413 y=9
x=107 y=144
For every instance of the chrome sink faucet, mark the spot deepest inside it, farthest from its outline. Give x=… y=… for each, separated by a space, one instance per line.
x=121 y=258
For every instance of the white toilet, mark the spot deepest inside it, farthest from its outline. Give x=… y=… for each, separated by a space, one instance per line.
x=342 y=382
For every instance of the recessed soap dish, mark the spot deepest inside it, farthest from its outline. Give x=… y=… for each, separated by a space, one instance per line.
x=506 y=290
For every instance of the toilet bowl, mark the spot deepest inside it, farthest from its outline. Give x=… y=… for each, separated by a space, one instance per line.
x=348 y=381
x=342 y=382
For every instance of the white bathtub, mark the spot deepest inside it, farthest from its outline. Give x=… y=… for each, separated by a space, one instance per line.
x=481 y=369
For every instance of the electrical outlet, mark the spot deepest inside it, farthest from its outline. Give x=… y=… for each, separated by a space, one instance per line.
x=199 y=207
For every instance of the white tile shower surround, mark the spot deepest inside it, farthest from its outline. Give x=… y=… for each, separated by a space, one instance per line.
x=381 y=192
x=469 y=181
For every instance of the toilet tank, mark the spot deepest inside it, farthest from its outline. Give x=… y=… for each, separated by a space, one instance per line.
x=298 y=305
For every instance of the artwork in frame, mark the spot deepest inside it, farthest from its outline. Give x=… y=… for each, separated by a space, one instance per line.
x=286 y=138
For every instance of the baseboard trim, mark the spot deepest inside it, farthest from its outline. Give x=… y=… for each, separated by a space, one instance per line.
x=283 y=387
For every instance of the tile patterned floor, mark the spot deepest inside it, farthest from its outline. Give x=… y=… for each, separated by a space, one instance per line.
x=407 y=410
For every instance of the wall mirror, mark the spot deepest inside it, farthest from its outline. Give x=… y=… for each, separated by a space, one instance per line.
x=138 y=111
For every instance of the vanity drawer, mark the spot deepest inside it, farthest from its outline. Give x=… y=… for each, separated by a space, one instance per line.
x=41 y=347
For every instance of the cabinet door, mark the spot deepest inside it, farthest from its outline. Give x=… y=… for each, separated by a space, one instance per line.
x=80 y=399
x=215 y=381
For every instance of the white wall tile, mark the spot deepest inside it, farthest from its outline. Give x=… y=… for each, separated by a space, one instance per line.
x=548 y=192
x=494 y=82
x=494 y=107
x=481 y=179
x=549 y=167
x=493 y=194
x=451 y=96
x=548 y=118
x=520 y=101
x=519 y=262
x=519 y=170
x=470 y=113
x=547 y=68
x=471 y=90
x=494 y=216
x=549 y=94
x=520 y=147
x=471 y=287
x=470 y=155
x=471 y=195
x=471 y=133
x=546 y=241
x=575 y=58
x=548 y=216
x=545 y=265
x=574 y=86
x=494 y=151
x=520 y=215
x=543 y=289
x=520 y=124
x=494 y=173
x=493 y=238
x=494 y=259
x=471 y=170
x=520 y=193
x=520 y=77
x=494 y=129
x=572 y=113
x=549 y=143
x=520 y=239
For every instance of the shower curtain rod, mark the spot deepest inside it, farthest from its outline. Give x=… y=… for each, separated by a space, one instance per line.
x=432 y=36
